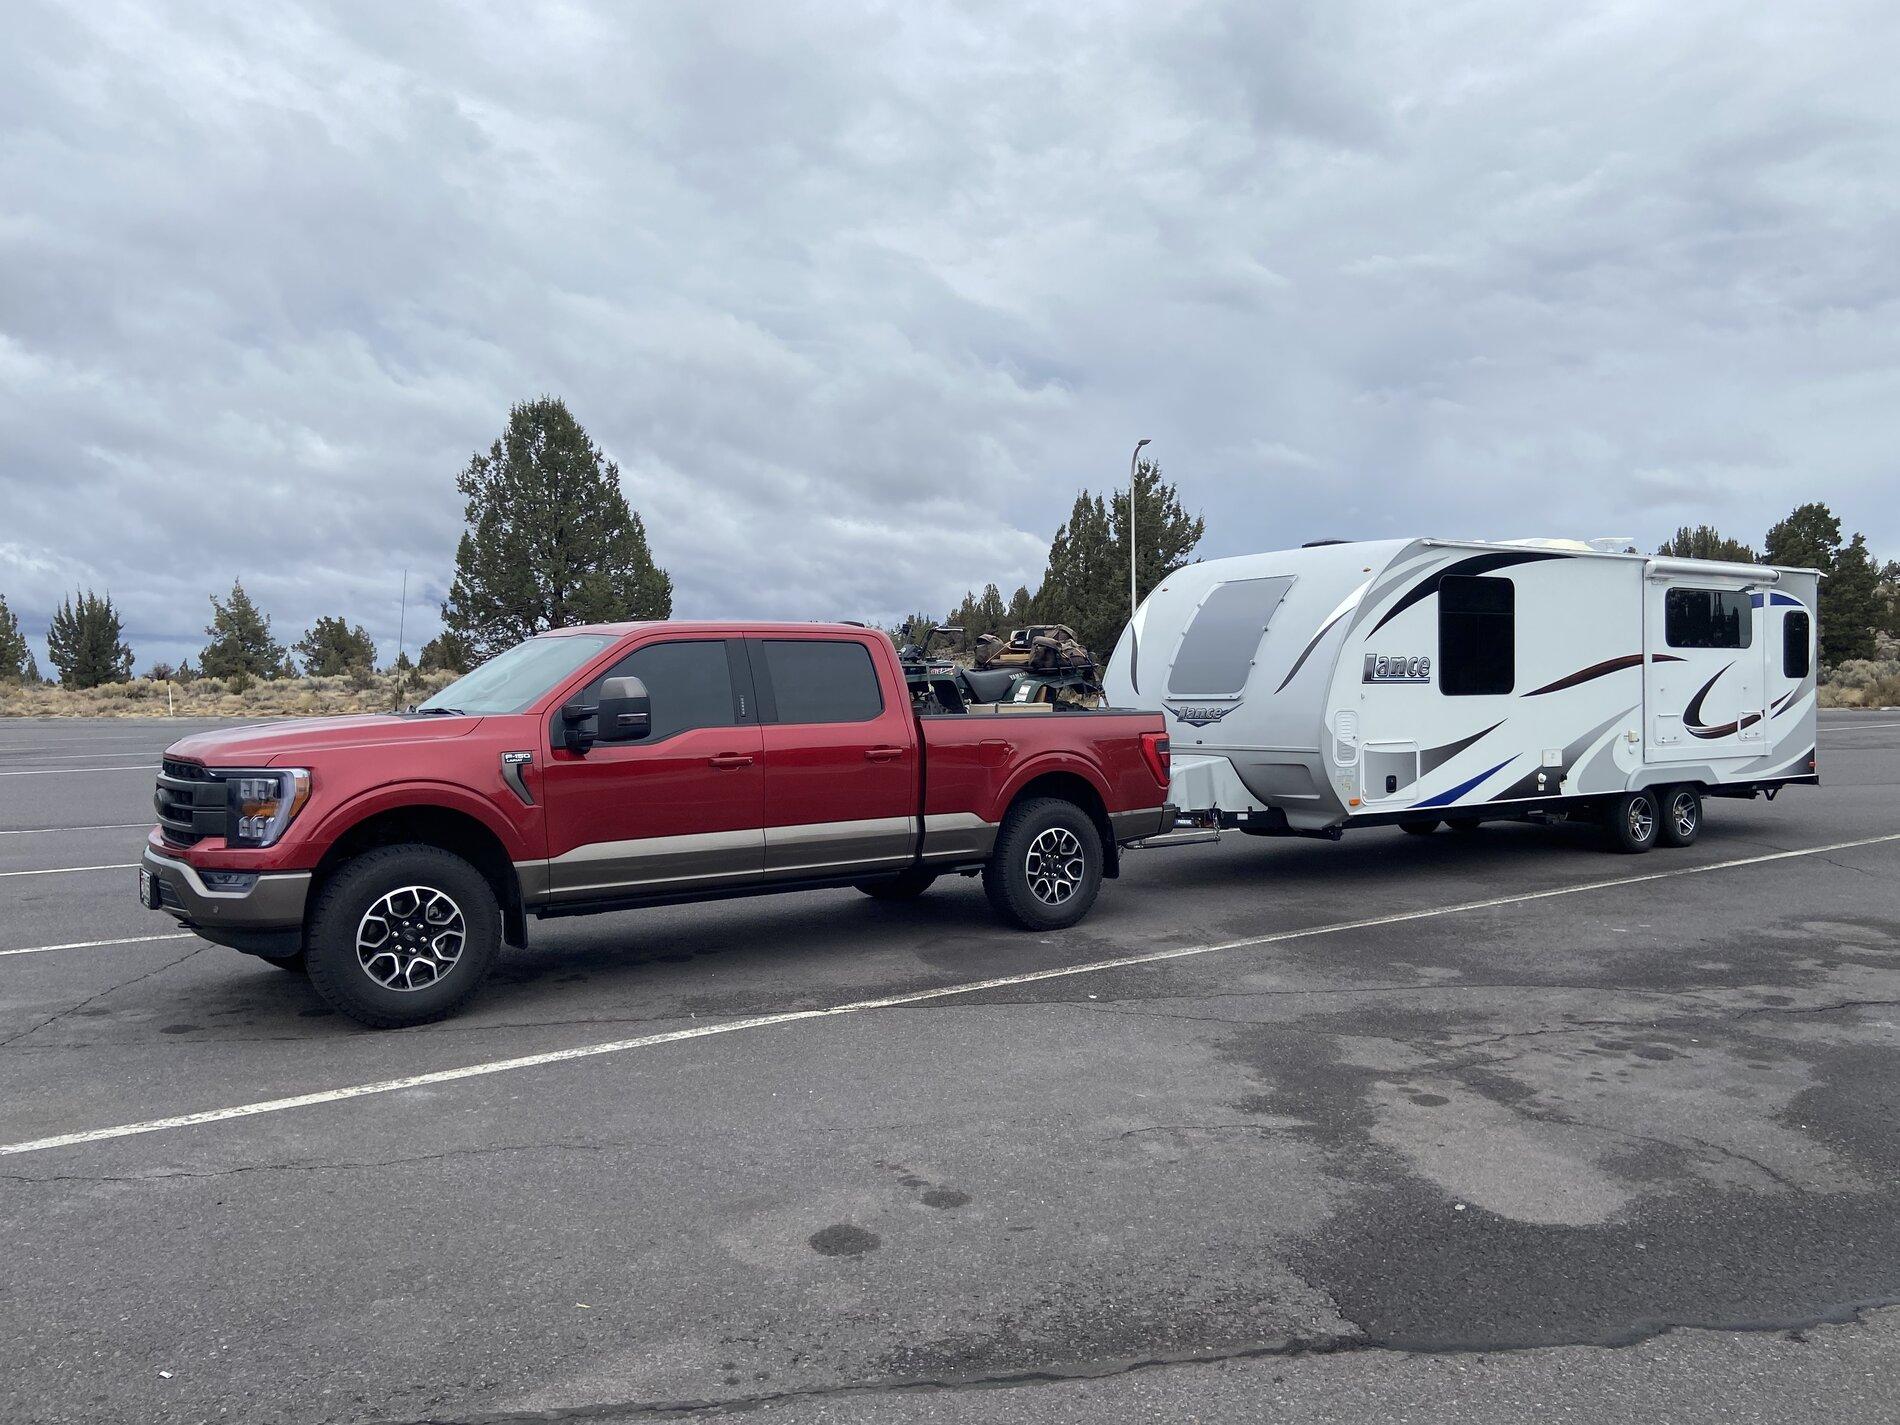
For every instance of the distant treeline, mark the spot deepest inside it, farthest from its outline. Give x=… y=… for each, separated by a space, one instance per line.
x=550 y=541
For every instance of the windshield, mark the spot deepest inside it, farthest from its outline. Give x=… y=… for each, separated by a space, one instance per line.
x=509 y=681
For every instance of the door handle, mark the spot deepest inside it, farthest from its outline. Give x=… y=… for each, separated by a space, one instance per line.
x=882 y=754
x=730 y=759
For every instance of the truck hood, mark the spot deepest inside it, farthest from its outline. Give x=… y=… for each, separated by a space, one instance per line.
x=267 y=744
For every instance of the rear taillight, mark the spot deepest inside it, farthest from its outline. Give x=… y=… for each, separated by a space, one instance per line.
x=1154 y=748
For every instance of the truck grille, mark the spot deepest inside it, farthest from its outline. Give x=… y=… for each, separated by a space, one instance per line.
x=192 y=803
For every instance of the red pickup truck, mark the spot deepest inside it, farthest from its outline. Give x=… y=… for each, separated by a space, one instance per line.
x=617 y=765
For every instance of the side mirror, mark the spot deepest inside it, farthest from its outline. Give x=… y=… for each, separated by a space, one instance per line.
x=626 y=712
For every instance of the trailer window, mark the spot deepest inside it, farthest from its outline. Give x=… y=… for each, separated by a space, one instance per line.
x=1477 y=636
x=1706 y=618
x=1794 y=644
x=1217 y=650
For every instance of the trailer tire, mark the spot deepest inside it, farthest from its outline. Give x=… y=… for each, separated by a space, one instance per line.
x=906 y=886
x=1418 y=828
x=1046 y=868
x=1464 y=825
x=1634 y=821
x=1681 y=816
x=437 y=914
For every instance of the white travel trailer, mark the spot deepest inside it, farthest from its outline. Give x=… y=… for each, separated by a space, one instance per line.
x=1420 y=681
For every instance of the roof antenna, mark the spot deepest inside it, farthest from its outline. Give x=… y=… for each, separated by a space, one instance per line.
x=402 y=627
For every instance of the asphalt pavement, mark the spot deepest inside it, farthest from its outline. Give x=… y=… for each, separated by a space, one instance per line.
x=1479 y=1127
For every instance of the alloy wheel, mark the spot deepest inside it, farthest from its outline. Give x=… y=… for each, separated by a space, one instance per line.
x=1055 y=865
x=410 y=938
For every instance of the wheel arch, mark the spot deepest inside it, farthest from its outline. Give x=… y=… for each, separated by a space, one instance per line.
x=1067 y=784
x=447 y=828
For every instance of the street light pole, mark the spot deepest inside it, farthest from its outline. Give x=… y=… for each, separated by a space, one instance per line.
x=1134 y=465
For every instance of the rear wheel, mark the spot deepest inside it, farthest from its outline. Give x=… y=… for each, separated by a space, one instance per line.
x=1047 y=866
x=1464 y=825
x=403 y=935
x=1635 y=821
x=904 y=887
x=1418 y=828
x=1681 y=816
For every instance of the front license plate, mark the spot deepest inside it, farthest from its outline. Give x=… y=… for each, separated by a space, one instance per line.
x=148 y=890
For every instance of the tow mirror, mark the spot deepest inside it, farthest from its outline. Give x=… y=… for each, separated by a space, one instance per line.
x=626 y=712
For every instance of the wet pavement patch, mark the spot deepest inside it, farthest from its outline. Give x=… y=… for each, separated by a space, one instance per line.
x=841 y=1239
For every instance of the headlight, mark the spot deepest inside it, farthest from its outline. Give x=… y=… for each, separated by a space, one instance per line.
x=263 y=802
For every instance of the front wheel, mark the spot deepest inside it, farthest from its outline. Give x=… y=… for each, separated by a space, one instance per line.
x=1418 y=828
x=1634 y=821
x=403 y=935
x=1047 y=865
x=1681 y=816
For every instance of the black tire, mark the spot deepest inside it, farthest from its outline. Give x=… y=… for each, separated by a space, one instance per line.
x=361 y=985
x=1634 y=821
x=1418 y=828
x=1060 y=887
x=906 y=886
x=1463 y=825
x=297 y=964
x=1681 y=816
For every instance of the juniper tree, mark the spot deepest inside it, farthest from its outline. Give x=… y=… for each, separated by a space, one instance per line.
x=1810 y=537
x=86 y=642
x=241 y=645
x=330 y=648
x=550 y=539
x=13 y=650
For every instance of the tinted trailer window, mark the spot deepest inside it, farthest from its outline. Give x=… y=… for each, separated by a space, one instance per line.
x=1217 y=651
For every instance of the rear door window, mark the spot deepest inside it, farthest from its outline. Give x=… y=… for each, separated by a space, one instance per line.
x=1217 y=650
x=822 y=680
x=1707 y=618
x=1794 y=644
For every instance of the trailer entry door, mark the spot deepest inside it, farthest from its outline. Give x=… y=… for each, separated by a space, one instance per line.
x=1702 y=679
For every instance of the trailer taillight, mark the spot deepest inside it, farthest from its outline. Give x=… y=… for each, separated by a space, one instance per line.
x=1154 y=747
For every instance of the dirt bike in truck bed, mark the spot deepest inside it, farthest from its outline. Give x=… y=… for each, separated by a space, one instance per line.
x=606 y=767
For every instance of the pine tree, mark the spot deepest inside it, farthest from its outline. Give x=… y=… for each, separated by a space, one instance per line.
x=331 y=648
x=1705 y=542
x=1086 y=583
x=241 y=645
x=446 y=651
x=86 y=642
x=551 y=540
x=1850 y=594
x=32 y=676
x=14 y=653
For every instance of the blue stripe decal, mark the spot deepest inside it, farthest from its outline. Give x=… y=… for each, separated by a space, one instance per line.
x=1779 y=600
x=1458 y=791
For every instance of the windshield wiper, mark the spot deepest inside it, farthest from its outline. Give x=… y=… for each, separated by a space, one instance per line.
x=439 y=712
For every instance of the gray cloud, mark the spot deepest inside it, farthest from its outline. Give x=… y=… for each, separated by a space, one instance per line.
x=859 y=295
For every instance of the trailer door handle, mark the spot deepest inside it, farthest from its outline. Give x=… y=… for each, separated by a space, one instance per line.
x=882 y=754
x=730 y=759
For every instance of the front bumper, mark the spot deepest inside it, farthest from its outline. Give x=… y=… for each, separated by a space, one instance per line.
x=268 y=911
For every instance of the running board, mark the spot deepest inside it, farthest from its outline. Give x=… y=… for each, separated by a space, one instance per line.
x=1175 y=838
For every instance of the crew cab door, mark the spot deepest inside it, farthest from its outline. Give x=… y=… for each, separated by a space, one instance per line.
x=1703 y=679
x=843 y=788
x=680 y=809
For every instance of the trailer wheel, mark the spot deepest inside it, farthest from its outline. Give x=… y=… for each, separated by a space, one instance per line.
x=1418 y=828
x=1047 y=865
x=403 y=935
x=1464 y=825
x=906 y=886
x=1681 y=816
x=1635 y=821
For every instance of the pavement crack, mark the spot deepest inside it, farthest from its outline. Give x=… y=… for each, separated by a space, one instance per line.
x=109 y=989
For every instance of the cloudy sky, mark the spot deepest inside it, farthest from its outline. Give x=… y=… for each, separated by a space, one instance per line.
x=859 y=296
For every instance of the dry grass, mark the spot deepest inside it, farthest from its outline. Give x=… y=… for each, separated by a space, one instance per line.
x=1866 y=682
x=215 y=697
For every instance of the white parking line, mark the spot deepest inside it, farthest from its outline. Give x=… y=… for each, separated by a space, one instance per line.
x=74 y=771
x=764 y=1021
x=62 y=870
x=1855 y=726
x=146 y=751
x=91 y=944
x=107 y=826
